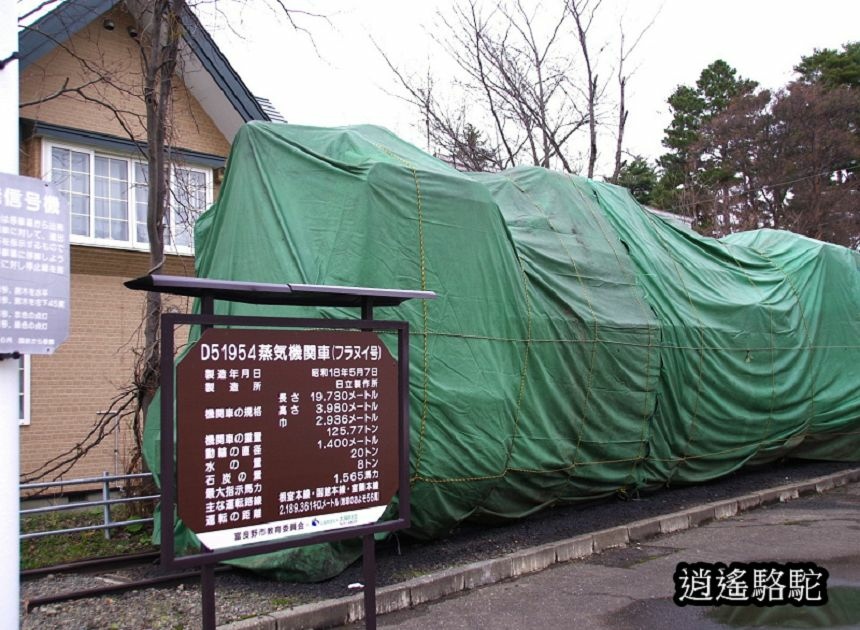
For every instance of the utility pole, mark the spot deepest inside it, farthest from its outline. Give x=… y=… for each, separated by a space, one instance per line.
x=9 y=439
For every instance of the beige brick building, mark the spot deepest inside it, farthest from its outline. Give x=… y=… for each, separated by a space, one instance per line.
x=82 y=119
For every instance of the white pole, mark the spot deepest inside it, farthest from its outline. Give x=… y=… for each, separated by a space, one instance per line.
x=9 y=440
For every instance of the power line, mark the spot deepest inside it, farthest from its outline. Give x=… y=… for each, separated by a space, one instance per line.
x=764 y=187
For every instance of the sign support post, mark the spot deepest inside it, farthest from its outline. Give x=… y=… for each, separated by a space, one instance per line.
x=45 y=240
x=323 y=395
x=368 y=568
x=9 y=462
x=207 y=593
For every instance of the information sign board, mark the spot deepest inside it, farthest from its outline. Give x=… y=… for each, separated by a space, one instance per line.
x=283 y=433
x=34 y=266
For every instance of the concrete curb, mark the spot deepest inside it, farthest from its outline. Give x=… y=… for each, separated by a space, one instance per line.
x=427 y=588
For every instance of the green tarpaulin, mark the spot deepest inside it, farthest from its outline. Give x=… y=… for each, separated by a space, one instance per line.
x=580 y=345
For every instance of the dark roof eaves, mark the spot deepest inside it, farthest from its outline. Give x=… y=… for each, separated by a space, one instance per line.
x=67 y=19
x=53 y=28
x=109 y=142
x=216 y=64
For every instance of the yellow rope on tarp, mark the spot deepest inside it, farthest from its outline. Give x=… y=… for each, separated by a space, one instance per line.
x=425 y=316
x=425 y=308
x=766 y=429
x=587 y=294
x=806 y=332
x=669 y=346
x=648 y=314
x=546 y=471
x=525 y=363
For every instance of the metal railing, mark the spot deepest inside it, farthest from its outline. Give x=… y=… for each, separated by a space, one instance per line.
x=106 y=502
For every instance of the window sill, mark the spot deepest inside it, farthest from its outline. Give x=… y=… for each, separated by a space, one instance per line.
x=107 y=244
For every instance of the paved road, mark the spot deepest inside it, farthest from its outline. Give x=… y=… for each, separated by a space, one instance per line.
x=632 y=588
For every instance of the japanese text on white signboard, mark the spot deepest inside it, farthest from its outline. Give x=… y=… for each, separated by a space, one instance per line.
x=34 y=266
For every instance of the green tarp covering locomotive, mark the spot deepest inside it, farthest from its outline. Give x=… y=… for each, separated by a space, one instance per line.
x=580 y=346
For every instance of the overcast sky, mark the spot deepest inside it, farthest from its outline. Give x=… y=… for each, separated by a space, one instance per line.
x=346 y=82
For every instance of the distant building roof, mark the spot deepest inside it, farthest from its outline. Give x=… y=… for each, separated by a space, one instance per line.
x=671 y=216
x=271 y=111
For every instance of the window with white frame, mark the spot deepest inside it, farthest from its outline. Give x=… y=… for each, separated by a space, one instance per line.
x=107 y=198
x=24 y=390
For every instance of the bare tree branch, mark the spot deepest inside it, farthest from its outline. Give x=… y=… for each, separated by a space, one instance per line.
x=583 y=12
x=142 y=101
x=515 y=80
x=38 y=8
x=623 y=54
x=122 y=406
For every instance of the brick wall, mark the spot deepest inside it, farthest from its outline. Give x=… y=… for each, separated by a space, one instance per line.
x=113 y=54
x=30 y=157
x=71 y=387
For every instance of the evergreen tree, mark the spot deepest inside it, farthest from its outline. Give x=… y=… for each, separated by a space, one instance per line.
x=788 y=162
x=831 y=67
x=691 y=108
x=639 y=177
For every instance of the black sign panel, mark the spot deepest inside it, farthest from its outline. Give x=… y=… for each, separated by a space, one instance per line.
x=285 y=433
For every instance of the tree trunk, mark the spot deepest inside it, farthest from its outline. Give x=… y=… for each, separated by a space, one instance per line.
x=622 y=122
x=159 y=52
x=582 y=16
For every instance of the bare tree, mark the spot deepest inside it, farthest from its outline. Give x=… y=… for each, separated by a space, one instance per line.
x=159 y=50
x=526 y=82
x=449 y=134
x=515 y=88
x=159 y=29
x=583 y=12
x=623 y=76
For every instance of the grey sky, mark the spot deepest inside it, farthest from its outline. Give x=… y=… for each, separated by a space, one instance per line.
x=347 y=82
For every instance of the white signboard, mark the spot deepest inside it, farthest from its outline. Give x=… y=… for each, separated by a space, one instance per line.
x=34 y=266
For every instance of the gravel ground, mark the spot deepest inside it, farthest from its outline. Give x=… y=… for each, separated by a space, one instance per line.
x=241 y=594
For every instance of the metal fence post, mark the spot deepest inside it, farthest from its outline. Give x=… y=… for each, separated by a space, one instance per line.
x=89 y=504
x=106 y=506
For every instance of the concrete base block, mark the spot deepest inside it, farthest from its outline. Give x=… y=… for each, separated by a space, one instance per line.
x=573 y=548
x=263 y=622
x=435 y=586
x=725 y=509
x=809 y=487
x=750 y=501
x=699 y=515
x=643 y=530
x=391 y=598
x=824 y=485
x=532 y=560
x=321 y=615
x=674 y=523
x=788 y=495
x=488 y=572
x=609 y=538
